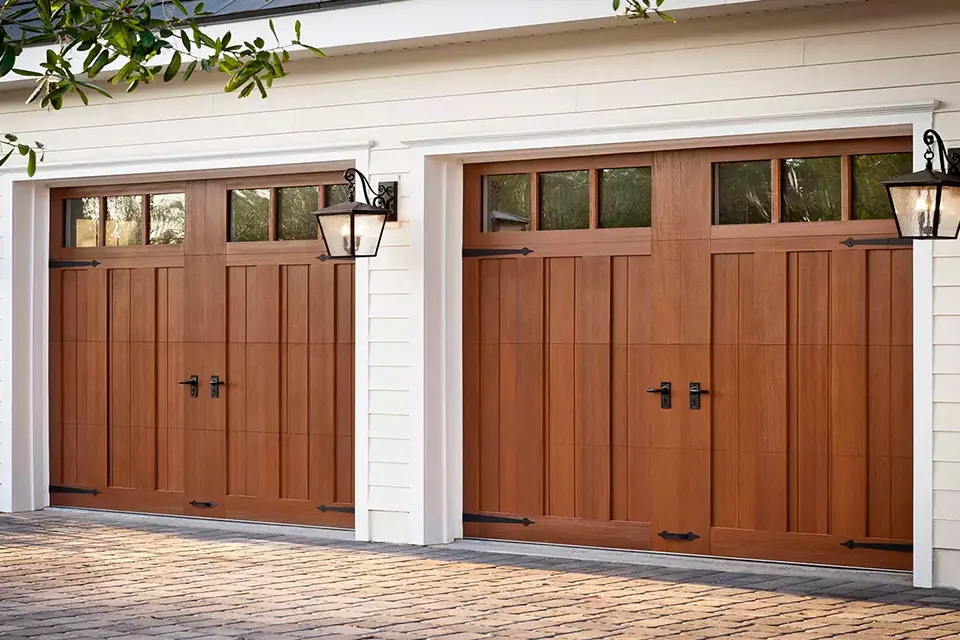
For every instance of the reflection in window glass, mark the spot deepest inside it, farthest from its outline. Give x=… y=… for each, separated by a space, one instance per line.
x=506 y=202
x=249 y=214
x=296 y=207
x=335 y=194
x=168 y=214
x=811 y=189
x=870 y=200
x=624 y=197
x=124 y=221
x=565 y=200
x=81 y=222
x=742 y=192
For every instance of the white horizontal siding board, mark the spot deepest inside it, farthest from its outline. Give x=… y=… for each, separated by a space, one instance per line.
x=390 y=378
x=390 y=330
x=780 y=82
x=946 y=301
x=389 y=474
x=391 y=258
x=946 y=504
x=946 y=568
x=390 y=281
x=390 y=450
x=395 y=403
x=395 y=234
x=946 y=416
x=946 y=387
x=390 y=526
x=946 y=271
x=946 y=446
x=946 y=330
x=390 y=427
x=881 y=44
x=390 y=305
x=946 y=534
x=946 y=359
x=390 y=354
x=390 y=499
x=949 y=121
x=946 y=475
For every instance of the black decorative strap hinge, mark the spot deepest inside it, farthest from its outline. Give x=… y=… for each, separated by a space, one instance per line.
x=202 y=505
x=325 y=508
x=55 y=488
x=689 y=536
x=66 y=264
x=852 y=242
x=324 y=257
x=879 y=546
x=487 y=519
x=479 y=253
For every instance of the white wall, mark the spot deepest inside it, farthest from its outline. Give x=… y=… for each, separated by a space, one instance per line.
x=745 y=68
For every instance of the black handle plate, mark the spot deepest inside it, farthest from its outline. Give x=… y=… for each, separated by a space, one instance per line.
x=215 y=383
x=695 y=393
x=194 y=382
x=202 y=505
x=665 y=393
x=689 y=536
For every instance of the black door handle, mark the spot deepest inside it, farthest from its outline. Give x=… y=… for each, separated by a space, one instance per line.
x=695 y=393
x=664 y=392
x=194 y=382
x=215 y=383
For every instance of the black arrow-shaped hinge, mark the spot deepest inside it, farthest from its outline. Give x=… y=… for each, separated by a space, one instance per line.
x=878 y=546
x=325 y=508
x=490 y=519
x=55 y=488
x=689 y=536
x=66 y=264
x=852 y=242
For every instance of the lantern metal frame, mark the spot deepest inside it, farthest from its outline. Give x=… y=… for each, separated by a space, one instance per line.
x=379 y=201
x=948 y=176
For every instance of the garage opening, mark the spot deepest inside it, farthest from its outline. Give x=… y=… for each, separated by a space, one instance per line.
x=201 y=356
x=675 y=351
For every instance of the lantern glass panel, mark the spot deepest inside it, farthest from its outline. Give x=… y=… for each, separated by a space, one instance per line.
x=949 y=212
x=914 y=207
x=367 y=229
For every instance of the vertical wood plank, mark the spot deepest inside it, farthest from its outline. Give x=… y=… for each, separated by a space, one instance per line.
x=561 y=329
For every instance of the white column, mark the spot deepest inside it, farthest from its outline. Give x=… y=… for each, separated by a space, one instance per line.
x=436 y=244
x=24 y=339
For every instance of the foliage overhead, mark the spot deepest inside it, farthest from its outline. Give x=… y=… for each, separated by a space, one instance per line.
x=153 y=39
x=641 y=9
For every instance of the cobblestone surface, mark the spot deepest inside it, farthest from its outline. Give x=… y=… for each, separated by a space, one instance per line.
x=65 y=575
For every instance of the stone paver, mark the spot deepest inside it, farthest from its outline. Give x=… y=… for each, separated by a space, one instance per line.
x=84 y=575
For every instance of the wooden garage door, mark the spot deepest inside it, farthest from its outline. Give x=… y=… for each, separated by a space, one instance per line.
x=153 y=284
x=718 y=267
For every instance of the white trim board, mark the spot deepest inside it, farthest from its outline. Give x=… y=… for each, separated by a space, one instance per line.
x=439 y=162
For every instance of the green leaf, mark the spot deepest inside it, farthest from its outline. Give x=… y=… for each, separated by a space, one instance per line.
x=198 y=10
x=10 y=137
x=273 y=30
x=173 y=68
x=56 y=101
x=246 y=91
x=83 y=96
x=102 y=60
x=28 y=73
x=616 y=5
x=23 y=149
x=258 y=42
x=51 y=58
x=180 y=7
x=31 y=163
x=6 y=157
x=296 y=29
x=185 y=40
x=263 y=91
x=313 y=49
x=189 y=70
x=94 y=87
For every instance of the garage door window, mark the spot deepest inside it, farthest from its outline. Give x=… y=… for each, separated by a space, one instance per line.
x=124 y=220
x=264 y=214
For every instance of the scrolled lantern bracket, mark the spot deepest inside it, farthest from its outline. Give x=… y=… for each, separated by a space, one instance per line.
x=354 y=229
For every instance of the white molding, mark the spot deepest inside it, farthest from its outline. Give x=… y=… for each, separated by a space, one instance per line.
x=923 y=570
x=361 y=385
x=6 y=346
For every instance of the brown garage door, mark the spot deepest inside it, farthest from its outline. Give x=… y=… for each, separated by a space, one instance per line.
x=718 y=267
x=153 y=284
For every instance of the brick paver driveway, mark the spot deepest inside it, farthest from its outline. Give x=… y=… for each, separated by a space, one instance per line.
x=76 y=575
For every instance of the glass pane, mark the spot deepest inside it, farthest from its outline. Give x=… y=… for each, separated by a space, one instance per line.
x=335 y=194
x=249 y=211
x=624 y=197
x=870 y=200
x=124 y=221
x=742 y=192
x=81 y=217
x=811 y=189
x=295 y=209
x=506 y=202
x=168 y=214
x=565 y=200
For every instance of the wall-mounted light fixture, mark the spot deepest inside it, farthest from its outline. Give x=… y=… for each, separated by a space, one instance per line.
x=353 y=229
x=926 y=204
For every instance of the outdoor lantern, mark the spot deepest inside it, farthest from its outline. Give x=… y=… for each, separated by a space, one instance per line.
x=353 y=229
x=926 y=204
